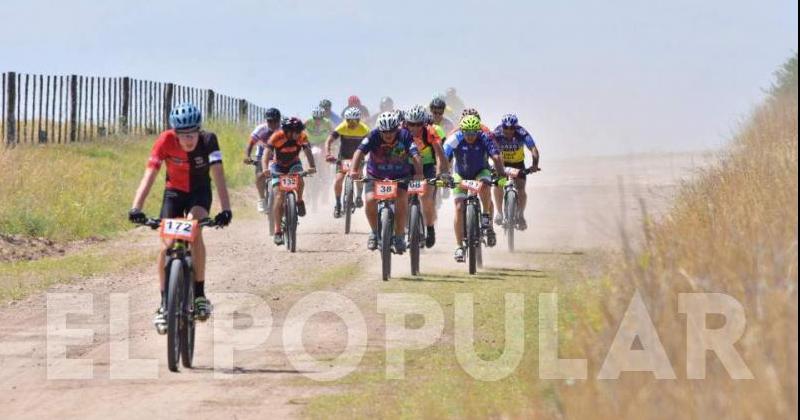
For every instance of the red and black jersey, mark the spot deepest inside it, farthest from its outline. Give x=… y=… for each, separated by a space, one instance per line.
x=186 y=171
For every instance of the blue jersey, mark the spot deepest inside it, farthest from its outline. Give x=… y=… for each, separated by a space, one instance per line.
x=389 y=161
x=335 y=118
x=471 y=158
x=513 y=149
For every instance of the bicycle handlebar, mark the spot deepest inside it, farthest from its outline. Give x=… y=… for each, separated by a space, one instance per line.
x=155 y=223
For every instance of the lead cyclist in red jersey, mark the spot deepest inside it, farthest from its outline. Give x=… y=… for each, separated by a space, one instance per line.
x=190 y=155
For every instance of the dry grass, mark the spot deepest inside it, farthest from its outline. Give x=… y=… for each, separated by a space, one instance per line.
x=734 y=231
x=81 y=190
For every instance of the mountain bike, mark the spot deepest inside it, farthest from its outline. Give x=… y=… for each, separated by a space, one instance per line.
x=288 y=185
x=179 y=286
x=385 y=192
x=510 y=197
x=417 y=233
x=474 y=230
x=348 y=203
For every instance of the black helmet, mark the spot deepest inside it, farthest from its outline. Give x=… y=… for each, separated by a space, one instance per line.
x=325 y=104
x=293 y=124
x=272 y=114
x=387 y=103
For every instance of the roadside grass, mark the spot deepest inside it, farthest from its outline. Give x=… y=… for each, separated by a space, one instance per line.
x=732 y=230
x=435 y=385
x=83 y=190
x=22 y=278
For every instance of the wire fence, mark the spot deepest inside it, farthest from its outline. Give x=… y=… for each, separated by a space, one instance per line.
x=42 y=109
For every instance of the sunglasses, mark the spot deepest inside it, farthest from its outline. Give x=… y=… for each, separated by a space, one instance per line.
x=416 y=124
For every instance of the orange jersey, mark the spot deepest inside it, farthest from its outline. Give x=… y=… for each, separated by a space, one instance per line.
x=286 y=152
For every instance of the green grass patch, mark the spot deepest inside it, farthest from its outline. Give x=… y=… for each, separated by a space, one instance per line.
x=22 y=278
x=435 y=385
x=77 y=191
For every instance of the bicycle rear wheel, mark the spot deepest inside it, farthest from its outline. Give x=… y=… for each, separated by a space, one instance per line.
x=174 y=306
x=347 y=204
x=290 y=214
x=414 y=237
x=473 y=236
x=386 y=229
x=510 y=209
x=187 y=332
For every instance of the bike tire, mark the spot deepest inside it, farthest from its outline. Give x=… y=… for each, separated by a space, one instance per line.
x=290 y=213
x=510 y=208
x=347 y=203
x=473 y=236
x=387 y=230
x=414 y=237
x=187 y=332
x=174 y=306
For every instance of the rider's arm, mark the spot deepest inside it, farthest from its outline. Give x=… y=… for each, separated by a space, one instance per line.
x=249 y=151
x=358 y=157
x=527 y=139
x=417 y=162
x=144 y=187
x=266 y=158
x=309 y=156
x=218 y=175
x=441 y=159
x=329 y=141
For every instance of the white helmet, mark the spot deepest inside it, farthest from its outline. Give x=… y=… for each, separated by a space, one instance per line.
x=388 y=121
x=352 y=113
x=416 y=114
x=317 y=112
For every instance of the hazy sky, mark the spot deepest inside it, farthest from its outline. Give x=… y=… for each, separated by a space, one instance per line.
x=585 y=77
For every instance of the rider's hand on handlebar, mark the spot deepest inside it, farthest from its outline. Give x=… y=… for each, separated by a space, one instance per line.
x=311 y=170
x=248 y=161
x=330 y=158
x=136 y=216
x=356 y=175
x=223 y=218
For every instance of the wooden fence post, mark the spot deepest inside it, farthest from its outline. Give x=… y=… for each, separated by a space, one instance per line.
x=73 y=108
x=126 y=105
x=11 y=99
x=210 y=105
x=243 y=111
x=169 y=92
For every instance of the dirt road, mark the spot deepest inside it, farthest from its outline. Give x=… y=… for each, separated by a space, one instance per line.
x=575 y=205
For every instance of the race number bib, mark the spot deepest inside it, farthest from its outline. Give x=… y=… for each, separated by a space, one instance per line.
x=471 y=185
x=179 y=229
x=417 y=187
x=385 y=190
x=288 y=182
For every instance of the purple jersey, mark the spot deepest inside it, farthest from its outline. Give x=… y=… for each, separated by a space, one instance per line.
x=389 y=161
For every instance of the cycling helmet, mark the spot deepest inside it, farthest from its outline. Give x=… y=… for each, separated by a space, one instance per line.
x=317 y=113
x=438 y=103
x=401 y=115
x=470 y=111
x=292 y=124
x=272 y=114
x=352 y=113
x=387 y=121
x=353 y=101
x=185 y=116
x=325 y=104
x=470 y=123
x=417 y=114
x=451 y=91
x=510 y=121
x=387 y=104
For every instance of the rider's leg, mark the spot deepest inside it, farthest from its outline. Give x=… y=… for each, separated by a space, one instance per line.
x=261 y=185
x=198 y=246
x=522 y=196
x=401 y=208
x=429 y=207
x=486 y=202
x=337 y=186
x=277 y=208
x=458 y=221
x=497 y=192
x=371 y=210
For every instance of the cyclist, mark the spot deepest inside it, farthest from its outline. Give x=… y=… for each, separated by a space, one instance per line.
x=454 y=101
x=513 y=139
x=434 y=162
x=473 y=111
x=471 y=146
x=393 y=156
x=258 y=138
x=350 y=132
x=191 y=154
x=326 y=106
x=386 y=105
x=440 y=123
x=318 y=128
x=283 y=149
x=355 y=101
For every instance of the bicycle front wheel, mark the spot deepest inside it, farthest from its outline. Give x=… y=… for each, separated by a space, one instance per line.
x=174 y=305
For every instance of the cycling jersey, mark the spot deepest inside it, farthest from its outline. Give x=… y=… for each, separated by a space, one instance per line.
x=335 y=118
x=513 y=149
x=259 y=137
x=389 y=161
x=446 y=125
x=286 y=151
x=318 y=130
x=471 y=158
x=186 y=171
x=425 y=144
x=350 y=138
